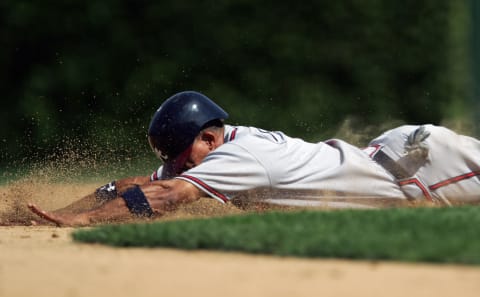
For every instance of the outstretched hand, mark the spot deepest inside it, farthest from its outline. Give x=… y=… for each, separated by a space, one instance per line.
x=59 y=219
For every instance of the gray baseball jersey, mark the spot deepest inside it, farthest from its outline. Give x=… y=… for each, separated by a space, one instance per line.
x=274 y=168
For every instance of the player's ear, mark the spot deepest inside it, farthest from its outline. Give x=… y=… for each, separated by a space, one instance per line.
x=209 y=138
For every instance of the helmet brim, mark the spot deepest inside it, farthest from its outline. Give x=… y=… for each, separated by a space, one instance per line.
x=171 y=166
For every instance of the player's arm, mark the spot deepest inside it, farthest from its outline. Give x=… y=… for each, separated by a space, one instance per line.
x=103 y=194
x=150 y=199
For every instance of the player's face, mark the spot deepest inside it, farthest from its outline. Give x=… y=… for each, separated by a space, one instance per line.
x=201 y=147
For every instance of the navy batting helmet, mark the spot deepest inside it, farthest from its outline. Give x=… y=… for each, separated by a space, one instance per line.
x=177 y=122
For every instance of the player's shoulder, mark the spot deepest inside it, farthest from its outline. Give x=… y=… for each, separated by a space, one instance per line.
x=248 y=135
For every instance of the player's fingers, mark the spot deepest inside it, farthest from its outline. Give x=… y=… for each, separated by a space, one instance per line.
x=36 y=210
x=43 y=214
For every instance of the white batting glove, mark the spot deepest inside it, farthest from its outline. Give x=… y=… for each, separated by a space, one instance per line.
x=415 y=145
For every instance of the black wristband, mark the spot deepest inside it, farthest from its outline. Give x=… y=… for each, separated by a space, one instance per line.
x=136 y=202
x=106 y=192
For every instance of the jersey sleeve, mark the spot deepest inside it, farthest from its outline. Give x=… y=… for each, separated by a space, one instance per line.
x=157 y=175
x=226 y=172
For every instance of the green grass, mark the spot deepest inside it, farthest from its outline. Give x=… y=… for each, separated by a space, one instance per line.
x=442 y=235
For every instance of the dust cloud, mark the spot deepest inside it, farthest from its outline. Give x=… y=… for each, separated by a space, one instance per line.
x=65 y=178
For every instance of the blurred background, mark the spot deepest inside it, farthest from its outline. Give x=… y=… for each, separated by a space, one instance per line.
x=85 y=77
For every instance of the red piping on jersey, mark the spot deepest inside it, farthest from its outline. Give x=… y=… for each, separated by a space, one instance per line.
x=155 y=175
x=419 y=184
x=233 y=134
x=207 y=187
x=454 y=180
x=377 y=147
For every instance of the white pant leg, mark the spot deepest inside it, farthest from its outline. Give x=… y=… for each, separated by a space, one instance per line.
x=450 y=174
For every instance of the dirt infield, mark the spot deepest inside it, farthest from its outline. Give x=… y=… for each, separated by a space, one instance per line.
x=44 y=261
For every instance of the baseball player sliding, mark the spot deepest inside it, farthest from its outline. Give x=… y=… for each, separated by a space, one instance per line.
x=203 y=157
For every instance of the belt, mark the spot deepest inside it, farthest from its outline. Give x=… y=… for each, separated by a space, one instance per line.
x=390 y=165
